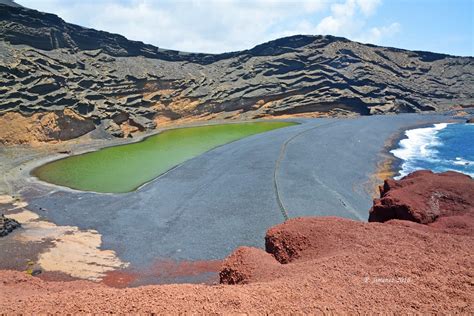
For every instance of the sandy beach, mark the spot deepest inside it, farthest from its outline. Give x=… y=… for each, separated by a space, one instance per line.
x=195 y=213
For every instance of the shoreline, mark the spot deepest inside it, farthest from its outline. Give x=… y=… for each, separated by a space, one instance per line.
x=26 y=158
x=335 y=269
x=38 y=155
x=33 y=171
x=67 y=207
x=390 y=165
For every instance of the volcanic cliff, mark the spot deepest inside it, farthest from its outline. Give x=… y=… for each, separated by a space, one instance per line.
x=123 y=86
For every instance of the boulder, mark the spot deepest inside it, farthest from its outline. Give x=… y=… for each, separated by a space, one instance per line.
x=248 y=263
x=7 y=225
x=424 y=197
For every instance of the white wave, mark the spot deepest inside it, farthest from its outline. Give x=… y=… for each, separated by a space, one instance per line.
x=462 y=162
x=419 y=143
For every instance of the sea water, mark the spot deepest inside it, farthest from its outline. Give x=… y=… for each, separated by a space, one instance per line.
x=441 y=147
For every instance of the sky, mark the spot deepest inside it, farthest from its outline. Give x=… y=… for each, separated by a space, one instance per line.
x=216 y=26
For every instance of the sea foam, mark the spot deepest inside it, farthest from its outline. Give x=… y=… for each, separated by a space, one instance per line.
x=459 y=161
x=419 y=143
x=441 y=147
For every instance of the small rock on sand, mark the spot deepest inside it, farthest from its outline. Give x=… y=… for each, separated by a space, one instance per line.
x=7 y=225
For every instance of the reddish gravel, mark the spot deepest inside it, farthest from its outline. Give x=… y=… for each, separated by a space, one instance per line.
x=331 y=265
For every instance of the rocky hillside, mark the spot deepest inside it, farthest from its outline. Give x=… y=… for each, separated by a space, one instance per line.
x=123 y=86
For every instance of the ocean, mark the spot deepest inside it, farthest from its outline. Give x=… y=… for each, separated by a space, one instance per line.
x=441 y=147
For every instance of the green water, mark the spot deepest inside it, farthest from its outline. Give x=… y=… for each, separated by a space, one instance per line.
x=125 y=168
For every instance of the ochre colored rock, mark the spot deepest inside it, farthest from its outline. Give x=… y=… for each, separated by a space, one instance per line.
x=43 y=127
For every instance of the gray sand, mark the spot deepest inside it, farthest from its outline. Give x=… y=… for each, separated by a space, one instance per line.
x=226 y=197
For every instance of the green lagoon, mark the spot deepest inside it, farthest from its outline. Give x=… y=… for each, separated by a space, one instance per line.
x=124 y=168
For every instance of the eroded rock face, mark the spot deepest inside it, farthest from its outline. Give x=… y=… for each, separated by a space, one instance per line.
x=424 y=197
x=43 y=127
x=351 y=250
x=286 y=245
x=47 y=65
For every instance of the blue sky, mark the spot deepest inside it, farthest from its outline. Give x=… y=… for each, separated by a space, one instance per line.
x=217 y=26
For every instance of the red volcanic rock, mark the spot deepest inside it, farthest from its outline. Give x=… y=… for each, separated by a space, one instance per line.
x=313 y=265
x=247 y=263
x=285 y=244
x=307 y=238
x=401 y=265
x=343 y=267
x=425 y=197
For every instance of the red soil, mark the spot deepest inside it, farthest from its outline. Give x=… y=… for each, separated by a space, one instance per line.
x=163 y=270
x=330 y=265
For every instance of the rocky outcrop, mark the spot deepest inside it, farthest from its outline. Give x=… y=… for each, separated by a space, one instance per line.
x=245 y=264
x=43 y=127
x=47 y=65
x=7 y=225
x=423 y=205
x=471 y=120
x=424 y=197
x=358 y=263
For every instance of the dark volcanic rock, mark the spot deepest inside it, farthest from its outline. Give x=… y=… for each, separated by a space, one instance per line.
x=10 y=3
x=7 y=225
x=425 y=197
x=471 y=120
x=48 y=31
x=48 y=64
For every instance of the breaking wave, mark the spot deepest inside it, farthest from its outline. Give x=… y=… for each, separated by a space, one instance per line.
x=442 y=147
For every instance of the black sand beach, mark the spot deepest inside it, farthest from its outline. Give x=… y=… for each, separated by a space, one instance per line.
x=227 y=197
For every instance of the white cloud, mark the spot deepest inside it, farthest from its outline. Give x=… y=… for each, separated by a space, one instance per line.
x=368 y=7
x=349 y=19
x=375 y=34
x=217 y=25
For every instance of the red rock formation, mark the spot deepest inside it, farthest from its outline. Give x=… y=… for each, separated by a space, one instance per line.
x=311 y=265
x=443 y=201
x=425 y=197
x=344 y=267
x=246 y=263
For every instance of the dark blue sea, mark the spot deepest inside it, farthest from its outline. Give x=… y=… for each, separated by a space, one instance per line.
x=441 y=147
